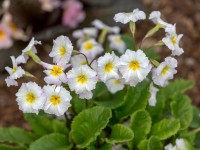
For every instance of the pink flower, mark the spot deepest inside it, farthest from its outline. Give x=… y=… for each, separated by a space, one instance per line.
x=73 y=13
x=5 y=39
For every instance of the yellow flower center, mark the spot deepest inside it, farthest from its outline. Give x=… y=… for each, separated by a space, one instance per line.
x=173 y=39
x=55 y=99
x=88 y=46
x=83 y=63
x=134 y=65
x=14 y=70
x=30 y=97
x=62 y=51
x=116 y=81
x=118 y=40
x=2 y=34
x=56 y=71
x=165 y=69
x=108 y=67
x=82 y=79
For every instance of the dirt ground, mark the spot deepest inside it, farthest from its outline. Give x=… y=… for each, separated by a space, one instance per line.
x=185 y=13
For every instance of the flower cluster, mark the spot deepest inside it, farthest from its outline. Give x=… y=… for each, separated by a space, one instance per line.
x=81 y=69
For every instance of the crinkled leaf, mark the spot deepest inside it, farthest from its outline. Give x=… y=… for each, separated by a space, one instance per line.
x=141 y=125
x=41 y=124
x=178 y=86
x=135 y=99
x=181 y=108
x=52 y=141
x=196 y=118
x=156 y=111
x=16 y=135
x=155 y=144
x=165 y=128
x=7 y=147
x=152 y=144
x=129 y=41
x=143 y=145
x=188 y=135
x=88 y=124
x=120 y=133
x=113 y=101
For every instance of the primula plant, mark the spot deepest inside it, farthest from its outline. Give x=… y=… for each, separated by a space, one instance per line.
x=108 y=93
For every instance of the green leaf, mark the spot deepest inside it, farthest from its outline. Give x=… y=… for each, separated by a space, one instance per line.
x=113 y=101
x=181 y=108
x=100 y=91
x=120 y=133
x=54 y=141
x=143 y=145
x=188 y=135
x=196 y=118
x=165 y=128
x=135 y=99
x=7 y=147
x=78 y=104
x=155 y=144
x=178 y=86
x=88 y=124
x=152 y=144
x=141 y=125
x=129 y=41
x=16 y=135
x=41 y=124
x=156 y=112
x=151 y=53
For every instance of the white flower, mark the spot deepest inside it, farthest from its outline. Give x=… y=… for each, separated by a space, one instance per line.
x=165 y=71
x=134 y=66
x=153 y=91
x=61 y=51
x=17 y=71
x=117 y=43
x=82 y=80
x=131 y=16
x=155 y=17
x=107 y=66
x=180 y=144
x=30 y=47
x=170 y=147
x=91 y=48
x=55 y=74
x=89 y=31
x=57 y=100
x=172 y=40
x=100 y=25
x=11 y=82
x=30 y=98
x=114 y=85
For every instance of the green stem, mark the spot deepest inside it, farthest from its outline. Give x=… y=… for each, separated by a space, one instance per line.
x=196 y=130
x=34 y=57
x=102 y=36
